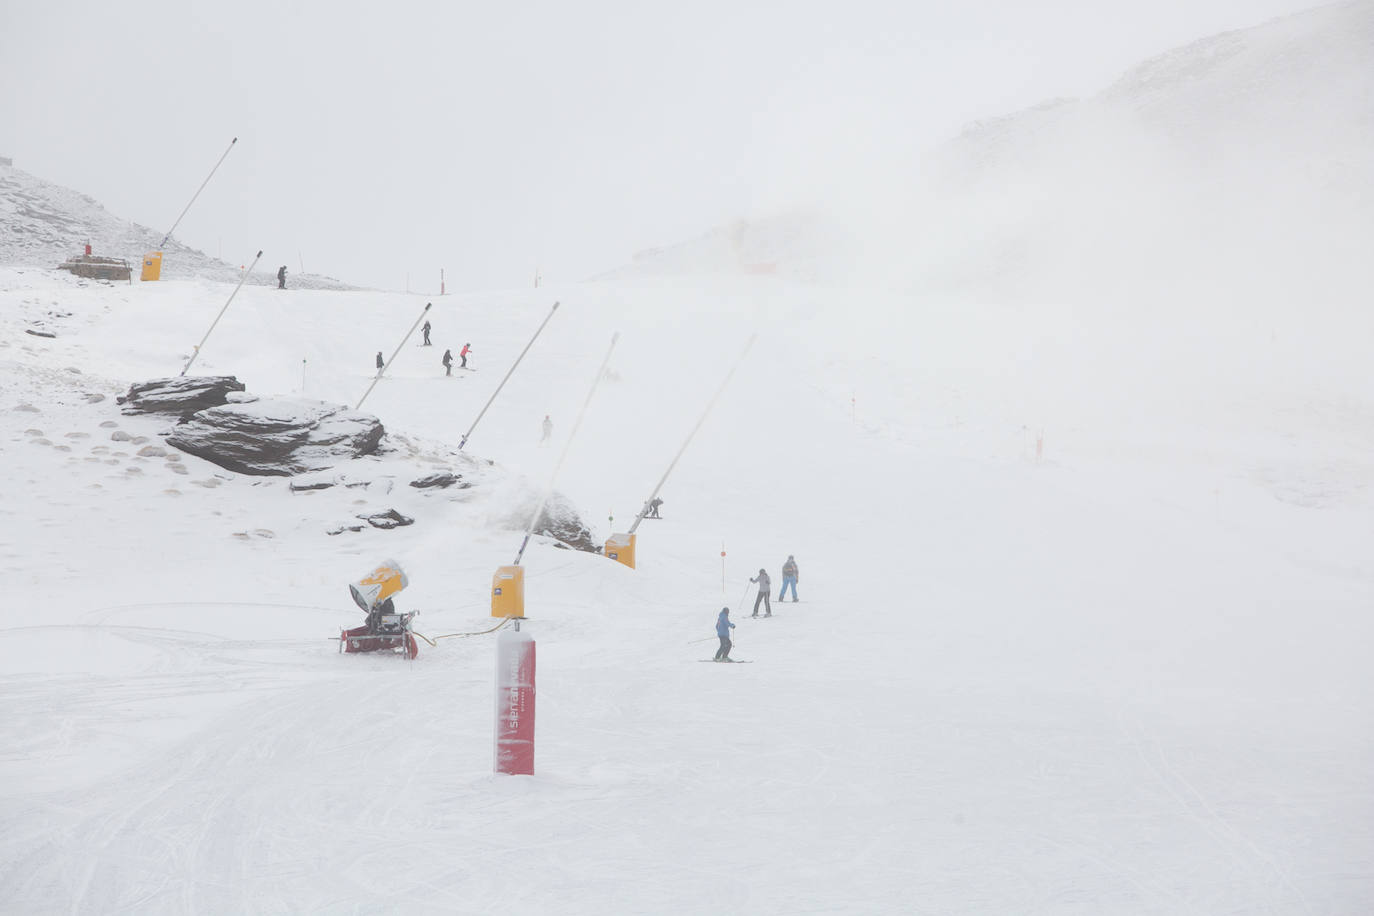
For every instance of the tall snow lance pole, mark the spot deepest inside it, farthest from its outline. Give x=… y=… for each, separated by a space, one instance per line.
x=197 y=194
x=196 y=352
x=704 y=414
x=620 y=546
x=508 y=584
x=509 y=372
x=548 y=492
x=387 y=365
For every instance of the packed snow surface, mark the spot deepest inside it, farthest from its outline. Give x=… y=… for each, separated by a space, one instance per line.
x=1128 y=676
x=1084 y=548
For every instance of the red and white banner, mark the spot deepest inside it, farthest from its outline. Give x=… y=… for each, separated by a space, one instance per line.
x=515 y=703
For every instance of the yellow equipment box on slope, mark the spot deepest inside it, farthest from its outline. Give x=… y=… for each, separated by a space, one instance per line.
x=508 y=592
x=152 y=266
x=621 y=548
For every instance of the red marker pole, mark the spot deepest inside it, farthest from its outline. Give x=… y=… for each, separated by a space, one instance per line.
x=515 y=702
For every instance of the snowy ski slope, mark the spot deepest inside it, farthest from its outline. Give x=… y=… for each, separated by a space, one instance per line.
x=1130 y=677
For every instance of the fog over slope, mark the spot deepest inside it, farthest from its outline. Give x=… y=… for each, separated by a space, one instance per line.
x=1235 y=170
x=1074 y=443
x=1231 y=173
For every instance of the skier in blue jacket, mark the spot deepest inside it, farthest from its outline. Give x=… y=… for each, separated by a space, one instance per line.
x=723 y=628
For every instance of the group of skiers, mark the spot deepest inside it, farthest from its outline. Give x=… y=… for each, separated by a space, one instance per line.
x=765 y=584
x=446 y=360
x=462 y=355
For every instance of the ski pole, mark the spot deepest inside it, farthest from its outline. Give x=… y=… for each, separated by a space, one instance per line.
x=743 y=598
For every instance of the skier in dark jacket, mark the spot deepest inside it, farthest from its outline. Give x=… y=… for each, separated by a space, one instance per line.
x=448 y=362
x=765 y=586
x=281 y=277
x=723 y=628
x=425 y=330
x=789 y=578
x=381 y=364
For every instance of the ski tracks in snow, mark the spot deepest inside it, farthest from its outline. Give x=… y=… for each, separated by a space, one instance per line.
x=1234 y=844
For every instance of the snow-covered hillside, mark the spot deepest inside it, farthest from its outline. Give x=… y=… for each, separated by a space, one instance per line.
x=1237 y=170
x=1128 y=677
x=43 y=224
x=1085 y=586
x=799 y=247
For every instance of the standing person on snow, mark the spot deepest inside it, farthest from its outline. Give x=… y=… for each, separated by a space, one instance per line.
x=789 y=577
x=765 y=586
x=448 y=362
x=463 y=355
x=425 y=331
x=281 y=277
x=548 y=429
x=381 y=364
x=653 y=508
x=723 y=628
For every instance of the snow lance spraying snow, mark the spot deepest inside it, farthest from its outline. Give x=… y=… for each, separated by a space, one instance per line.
x=384 y=629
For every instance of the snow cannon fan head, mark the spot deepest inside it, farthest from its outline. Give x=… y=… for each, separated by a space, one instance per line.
x=377 y=586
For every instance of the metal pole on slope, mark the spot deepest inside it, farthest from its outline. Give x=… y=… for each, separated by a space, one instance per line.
x=509 y=372
x=387 y=365
x=548 y=492
x=248 y=270
x=704 y=414
x=197 y=194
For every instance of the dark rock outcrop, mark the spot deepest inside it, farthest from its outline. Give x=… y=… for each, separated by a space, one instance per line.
x=440 y=479
x=181 y=396
x=282 y=436
x=388 y=519
x=342 y=528
x=384 y=520
x=560 y=521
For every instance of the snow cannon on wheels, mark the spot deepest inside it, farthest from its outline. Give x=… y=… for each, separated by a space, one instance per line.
x=385 y=628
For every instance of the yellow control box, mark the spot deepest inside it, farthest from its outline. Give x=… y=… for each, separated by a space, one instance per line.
x=621 y=548
x=152 y=266
x=508 y=592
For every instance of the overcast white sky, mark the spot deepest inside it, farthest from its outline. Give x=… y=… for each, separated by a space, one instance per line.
x=380 y=142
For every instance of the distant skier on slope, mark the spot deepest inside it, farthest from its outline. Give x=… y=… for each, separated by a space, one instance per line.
x=765 y=586
x=463 y=355
x=723 y=628
x=425 y=330
x=448 y=362
x=789 y=578
x=381 y=364
x=652 y=508
x=281 y=277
